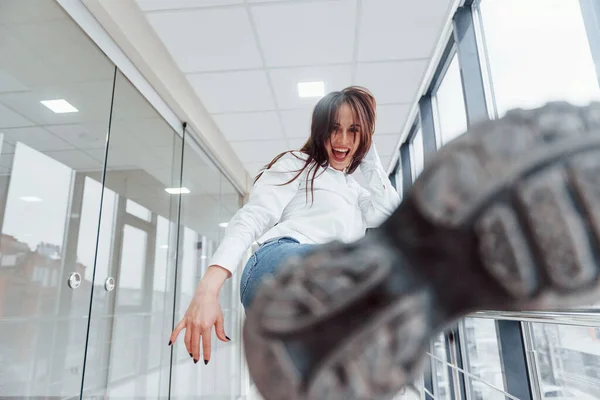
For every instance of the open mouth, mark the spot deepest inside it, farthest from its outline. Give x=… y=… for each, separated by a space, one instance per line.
x=340 y=154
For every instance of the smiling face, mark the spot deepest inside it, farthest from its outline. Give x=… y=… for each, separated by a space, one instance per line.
x=344 y=140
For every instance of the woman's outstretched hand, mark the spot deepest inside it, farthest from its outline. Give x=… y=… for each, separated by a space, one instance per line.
x=203 y=313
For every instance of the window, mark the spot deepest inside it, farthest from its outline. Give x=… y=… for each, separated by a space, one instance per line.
x=483 y=359
x=537 y=51
x=449 y=104
x=567 y=361
x=416 y=154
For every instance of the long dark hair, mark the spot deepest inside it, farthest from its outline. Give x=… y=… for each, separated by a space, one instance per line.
x=325 y=116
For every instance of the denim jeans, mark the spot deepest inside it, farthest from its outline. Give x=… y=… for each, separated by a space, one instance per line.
x=265 y=261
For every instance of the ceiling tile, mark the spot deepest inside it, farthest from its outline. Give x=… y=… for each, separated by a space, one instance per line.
x=386 y=144
x=297 y=143
x=35 y=137
x=285 y=83
x=10 y=119
x=391 y=118
x=249 y=126
x=227 y=92
x=306 y=33
x=208 y=39
x=259 y=151
x=155 y=5
x=392 y=82
x=296 y=123
x=9 y=83
x=415 y=28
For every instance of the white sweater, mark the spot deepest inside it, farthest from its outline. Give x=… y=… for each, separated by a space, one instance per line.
x=342 y=208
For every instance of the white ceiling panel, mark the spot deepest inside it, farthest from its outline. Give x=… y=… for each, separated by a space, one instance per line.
x=10 y=119
x=35 y=137
x=388 y=29
x=13 y=12
x=391 y=118
x=155 y=5
x=296 y=123
x=227 y=92
x=9 y=83
x=386 y=144
x=297 y=143
x=307 y=32
x=259 y=151
x=250 y=126
x=392 y=82
x=208 y=39
x=285 y=83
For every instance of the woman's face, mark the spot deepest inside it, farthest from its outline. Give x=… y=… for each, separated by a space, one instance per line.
x=344 y=140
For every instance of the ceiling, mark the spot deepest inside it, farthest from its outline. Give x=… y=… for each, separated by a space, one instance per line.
x=244 y=59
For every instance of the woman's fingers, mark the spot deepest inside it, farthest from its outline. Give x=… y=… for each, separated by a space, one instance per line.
x=220 y=329
x=176 y=331
x=206 y=343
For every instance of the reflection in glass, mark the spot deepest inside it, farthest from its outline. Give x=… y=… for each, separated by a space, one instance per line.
x=483 y=359
x=538 y=51
x=46 y=202
x=417 y=157
x=567 y=360
x=450 y=104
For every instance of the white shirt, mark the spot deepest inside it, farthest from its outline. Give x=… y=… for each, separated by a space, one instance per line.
x=342 y=208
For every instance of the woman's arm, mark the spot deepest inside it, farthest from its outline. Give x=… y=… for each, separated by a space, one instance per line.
x=378 y=199
x=268 y=198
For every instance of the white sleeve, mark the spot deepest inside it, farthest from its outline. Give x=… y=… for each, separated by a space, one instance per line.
x=379 y=199
x=268 y=198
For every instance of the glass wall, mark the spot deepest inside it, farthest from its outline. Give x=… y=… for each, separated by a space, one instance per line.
x=97 y=257
x=537 y=51
x=505 y=54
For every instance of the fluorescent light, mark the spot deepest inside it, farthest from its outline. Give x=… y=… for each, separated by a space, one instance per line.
x=31 y=199
x=223 y=224
x=311 y=89
x=60 y=106
x=164 y=246
x=177 y=190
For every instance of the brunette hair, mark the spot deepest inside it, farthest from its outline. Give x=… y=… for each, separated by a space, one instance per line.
x=324 y=117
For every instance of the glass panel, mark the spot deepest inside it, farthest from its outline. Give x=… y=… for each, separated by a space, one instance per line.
x=567 y=361
x=128 y=356
x=542 y=54
x=480 y=390
x=441 y=378
x=417 y=156
x=44 y=209
x=209 y=205
x=131 y=266
x=141 y=212
x=483 y=358
x=450 y=104
x=399 y=180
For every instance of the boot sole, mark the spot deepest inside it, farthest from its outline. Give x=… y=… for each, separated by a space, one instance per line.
x=506 y=217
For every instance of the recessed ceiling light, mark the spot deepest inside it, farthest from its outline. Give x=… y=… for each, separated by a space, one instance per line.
x=164 y=246
x=177 y=190
x=60 y=106
x=223 y=224
x=311 y=89
x=31 y=199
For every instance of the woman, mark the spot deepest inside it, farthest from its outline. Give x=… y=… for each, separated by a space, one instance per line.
x=302 y=199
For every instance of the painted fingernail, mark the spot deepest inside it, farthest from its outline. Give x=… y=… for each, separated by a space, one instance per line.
x=195 y=361
x=205 y=362
x=191 y=355
x=170 y=342
x=227 y=337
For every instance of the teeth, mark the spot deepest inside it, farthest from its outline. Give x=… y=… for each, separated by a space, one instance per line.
x=341 y=150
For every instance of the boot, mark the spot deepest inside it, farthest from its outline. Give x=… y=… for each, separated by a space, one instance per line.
x=505 y=217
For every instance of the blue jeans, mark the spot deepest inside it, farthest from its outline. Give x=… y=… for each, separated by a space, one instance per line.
x=265 y=261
